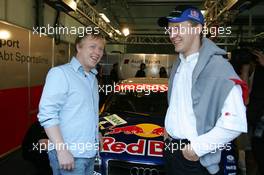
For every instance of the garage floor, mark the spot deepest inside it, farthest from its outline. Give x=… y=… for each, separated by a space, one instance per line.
x=15 y=165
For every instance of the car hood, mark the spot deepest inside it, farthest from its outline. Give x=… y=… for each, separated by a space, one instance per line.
x=132 y=136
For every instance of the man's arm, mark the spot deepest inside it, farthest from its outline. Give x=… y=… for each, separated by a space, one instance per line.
x=229 y=126
x=65 y=158
x=215 y=139
x=52 y=100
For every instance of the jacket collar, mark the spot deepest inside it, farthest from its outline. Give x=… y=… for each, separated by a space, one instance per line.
x=207 y=50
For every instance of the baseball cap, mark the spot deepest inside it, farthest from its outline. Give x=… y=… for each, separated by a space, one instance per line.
x=180 y=14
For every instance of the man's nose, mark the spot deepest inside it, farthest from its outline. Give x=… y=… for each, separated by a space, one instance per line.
x=174 y=33
x=98 y=51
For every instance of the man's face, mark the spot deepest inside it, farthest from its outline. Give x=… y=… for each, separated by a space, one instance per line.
x=183 y=35
x=90 y=52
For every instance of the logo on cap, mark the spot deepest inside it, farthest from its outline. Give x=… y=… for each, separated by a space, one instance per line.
x=194 y=14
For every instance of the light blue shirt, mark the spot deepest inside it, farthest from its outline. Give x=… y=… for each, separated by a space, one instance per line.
x=70 y=100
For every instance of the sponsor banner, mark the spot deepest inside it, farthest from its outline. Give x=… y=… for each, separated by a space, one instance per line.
x=40 y=47
x=24 y=62
x=14 y=49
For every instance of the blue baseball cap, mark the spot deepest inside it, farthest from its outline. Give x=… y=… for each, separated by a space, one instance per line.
x=181 y=14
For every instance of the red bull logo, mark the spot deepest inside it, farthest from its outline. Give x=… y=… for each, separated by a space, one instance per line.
x=146 y=130
x=126 y=130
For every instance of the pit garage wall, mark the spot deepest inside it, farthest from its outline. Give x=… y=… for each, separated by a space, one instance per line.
x=129 y=63
x=24 y=62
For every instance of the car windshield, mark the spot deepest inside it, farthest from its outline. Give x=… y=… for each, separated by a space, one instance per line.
x=138 y=102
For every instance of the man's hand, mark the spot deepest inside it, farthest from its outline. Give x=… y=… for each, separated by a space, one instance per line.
x=66 y=160
x=189 y=153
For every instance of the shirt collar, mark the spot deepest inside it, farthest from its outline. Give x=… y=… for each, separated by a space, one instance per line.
x=77 y=66
x=94 y=71
x=189 y=58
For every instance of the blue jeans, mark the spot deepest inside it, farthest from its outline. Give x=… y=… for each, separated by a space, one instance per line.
x=82 y=166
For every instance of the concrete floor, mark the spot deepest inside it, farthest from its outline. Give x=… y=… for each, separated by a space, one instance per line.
x=14 y=164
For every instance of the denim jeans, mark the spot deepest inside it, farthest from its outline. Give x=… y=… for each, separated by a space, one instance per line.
x=82 y=166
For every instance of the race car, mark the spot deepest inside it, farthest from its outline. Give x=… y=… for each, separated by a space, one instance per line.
x=132 y=127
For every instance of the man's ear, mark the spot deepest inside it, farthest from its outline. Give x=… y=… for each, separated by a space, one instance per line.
x=199 y=28
x=78 y=47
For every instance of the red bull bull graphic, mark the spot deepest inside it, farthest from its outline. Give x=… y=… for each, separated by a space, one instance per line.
x=146 y=130
x=126 y=130
x=158 y=131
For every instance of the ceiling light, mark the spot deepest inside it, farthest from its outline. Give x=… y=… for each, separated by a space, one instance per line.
x=118 y=31
x=126 y=31
x=71 y=4
x=104 y=17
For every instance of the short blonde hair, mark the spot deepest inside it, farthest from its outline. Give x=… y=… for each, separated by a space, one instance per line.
x=93 y=35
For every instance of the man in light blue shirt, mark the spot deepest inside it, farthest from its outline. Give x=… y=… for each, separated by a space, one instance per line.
x=68 y=109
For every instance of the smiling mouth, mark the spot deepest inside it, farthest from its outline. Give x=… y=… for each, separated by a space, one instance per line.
x=176 y=42
x=94 y=59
